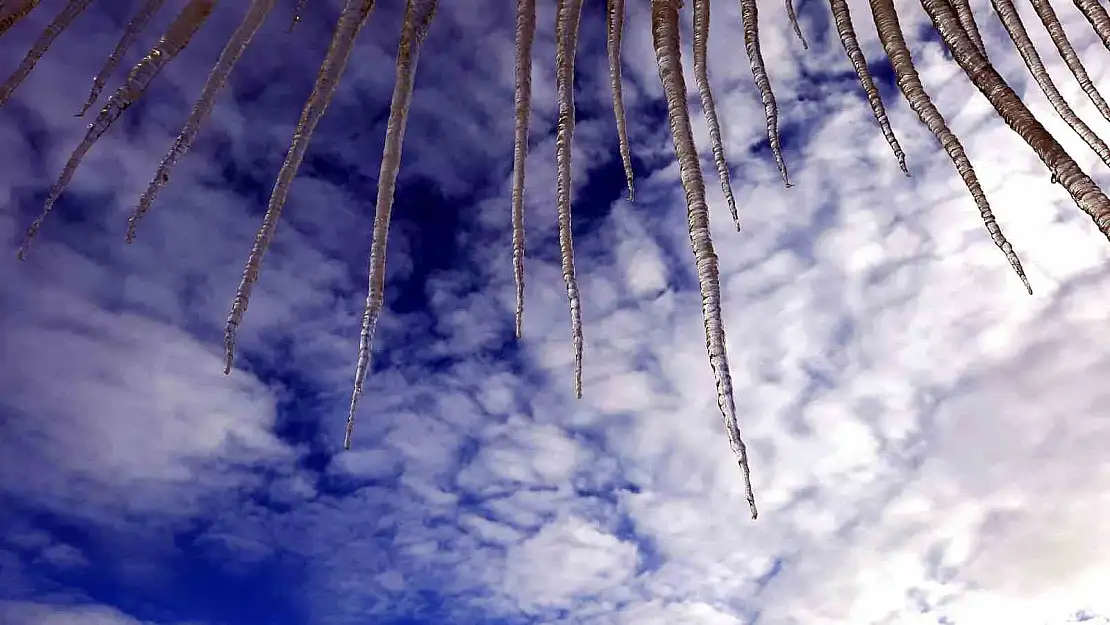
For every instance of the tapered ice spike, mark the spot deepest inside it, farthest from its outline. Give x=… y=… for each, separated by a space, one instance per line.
x=525 y=35
x=614 y=28
x=57 y=26
x=709 y=107
x=749 y=15
x=130 y=34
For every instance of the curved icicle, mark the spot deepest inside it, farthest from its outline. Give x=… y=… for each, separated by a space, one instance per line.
x=525 y=35
x=708 y=106
x=130 y=34
x=351 y=20
x=1086 y=194
x=843 y=18
x=967 y=20
x=749 y=15
x=1097 y=17
x=1063 y=45
x=890 y=34
x=15 y=13
x=177 y=36
x=1011 y=21
x=298 y=11
x=418 y=19
x=568 y=13
x=217 y=79
x=57 y=26
x=614 y=28
x=792 y=16
x=665 y=36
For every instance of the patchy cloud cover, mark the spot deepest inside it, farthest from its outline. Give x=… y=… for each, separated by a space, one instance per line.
x=927 y=441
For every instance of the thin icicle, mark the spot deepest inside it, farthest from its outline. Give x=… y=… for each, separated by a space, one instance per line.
x=708 y=106
x=1060 y=39
x=843 y=18
x=1011 y=21
x=967 y=20
x=217 y=79
x=525 y=34
x=351 y=20
x=134 y=27
x=665 y=37
x=749 y=15
x=894 y=43
x=298 y=11
x=15 y=12
x=177 y=36
x=1098 y=18
x=65 y=17
x=568 y=13
x=793 y=17
x=418 y=18
x=614 y=28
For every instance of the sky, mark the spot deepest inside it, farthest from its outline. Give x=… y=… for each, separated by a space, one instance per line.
x=927 y=441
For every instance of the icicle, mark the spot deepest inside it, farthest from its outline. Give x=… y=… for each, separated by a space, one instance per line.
x=967 y=20
x=217 y=79
x=890 y=34
x=793 y=17
x=701 y=77
x=17 y=11
x=525 y=34
x=298 y=11
x=134 y=27
x=749 y=15
x=614 y=29
x=65 y=17
x=665 y=36
x=1098 y=18
x=351 y=20
x=843 y=18
x=568 y=13
x=174 y=41
x=418 y=18
x=1067 y=52
x=1011 y=21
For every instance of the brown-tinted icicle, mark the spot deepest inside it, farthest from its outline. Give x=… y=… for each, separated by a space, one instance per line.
x=749 y=15
x=298 y=11
x=665 y=37
x=567 y=16
x=1086 y=194
x=1011 y=21
x=792 y=15
x=1097 y=17
x=10 y=15
x=177 y=36
x=967 y=20
x=418 y=19
x=843 y=19
x=1063 y=45
x=351 y=20
x=65 y=17
x=890 y=34
x=614 y=28
x=217 y=79
x=522 y=101
x=708 y=106
x=130 y=34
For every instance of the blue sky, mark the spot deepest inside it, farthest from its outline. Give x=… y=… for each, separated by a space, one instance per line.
x=927 y=442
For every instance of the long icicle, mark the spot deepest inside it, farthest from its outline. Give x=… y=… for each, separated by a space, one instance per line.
x=298 y=11
x=614 y=28
x=177 y=36
x=351 y=20
x=967 y=20
x=568 y=13
x=15 y=14
x=418 y=19
x=792 y=16
x=843 y=18
x=130 y=34
x=1097 y=17
x=665 y=37
x=57 y=26
x=525 y=35
x=890 y=35
x=749 y=15
x=1011 y=21
x=217 y=79
x=1086 y=194
x=1063 y=45
x=708 y=106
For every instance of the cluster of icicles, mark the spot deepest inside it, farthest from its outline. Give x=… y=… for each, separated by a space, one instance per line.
x=952 y=19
